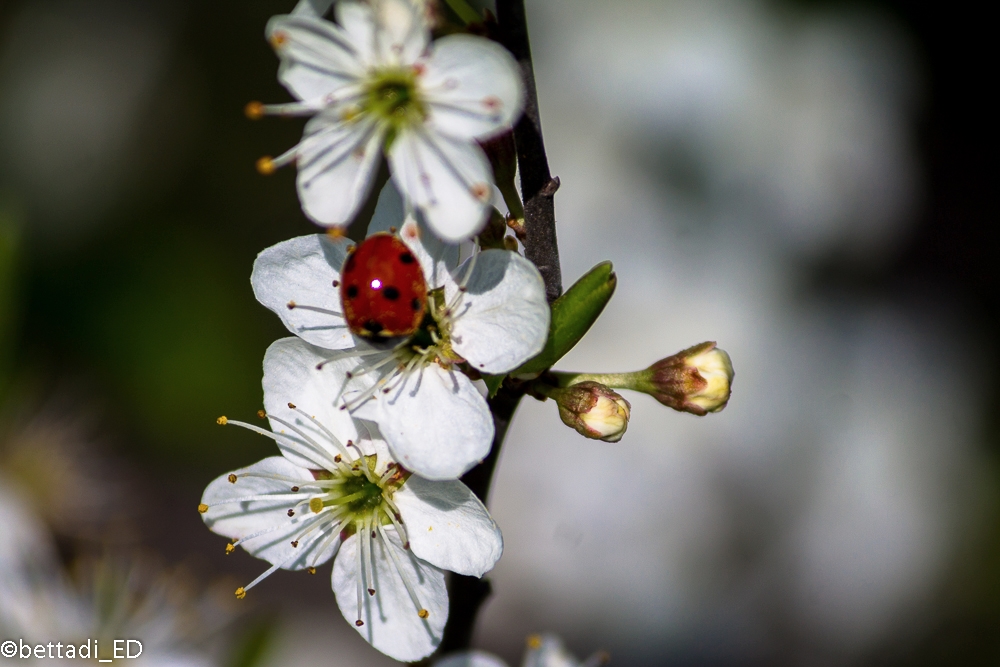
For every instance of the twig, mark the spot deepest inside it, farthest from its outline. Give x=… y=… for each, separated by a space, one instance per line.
x=537 y=185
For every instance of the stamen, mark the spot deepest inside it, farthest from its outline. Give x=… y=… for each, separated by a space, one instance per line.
x=256 y=110
x=333 y=439
x=202 y=508
x=421 y=611
x=348 y=354
x=230 y=548
x=366 y=552
x=232 y=478
x=316 y=446
x=399 y=527
x=267 y=165
x=292 y=305
x=281 y=439
x=361 y=569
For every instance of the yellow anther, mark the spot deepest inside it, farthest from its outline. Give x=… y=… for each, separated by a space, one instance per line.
x=231 y=478
x=222 y=421
x=291 y=406
x=240 y=593
x=535 y=641
x=261 y=414
x=311 y=570
x=203 y=508
x=316 y=505
x=265 y=166
x=423 y=613
x=230 y=548
x=278 y=39
x=254 y=110
x=335 y=232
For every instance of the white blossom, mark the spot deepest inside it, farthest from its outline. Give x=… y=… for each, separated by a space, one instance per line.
x=374 y=83
x=336 y=493
x=543 y=651
x=489 y=316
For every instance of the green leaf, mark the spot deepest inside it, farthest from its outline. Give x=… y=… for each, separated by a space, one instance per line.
x=572 y=316
x=493 y=383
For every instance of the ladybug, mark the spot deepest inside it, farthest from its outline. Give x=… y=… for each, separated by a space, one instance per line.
x=382 y=288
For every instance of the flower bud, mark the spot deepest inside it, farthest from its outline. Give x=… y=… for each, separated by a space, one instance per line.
x=696 y=380
x=594 y=410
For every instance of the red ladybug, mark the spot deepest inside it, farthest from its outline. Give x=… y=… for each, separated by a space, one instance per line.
x=382 y=288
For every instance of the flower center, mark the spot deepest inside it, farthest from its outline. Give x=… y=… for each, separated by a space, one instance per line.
x=432 y=340
x=357 y=495
x=392 y=97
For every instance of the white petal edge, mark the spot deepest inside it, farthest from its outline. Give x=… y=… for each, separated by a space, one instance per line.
x=402 y=33
x=336 y=166
x=449 y=180
x=291 y=376
x=238 y=520
x=448 y=526
x=503 y=319
x=472 y=86
x=436 y=423
x=302 y=270
x=470 y=659
x=317 y=57
x=391 y=623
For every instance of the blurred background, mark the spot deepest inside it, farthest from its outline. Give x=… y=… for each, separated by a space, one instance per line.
x=804 y=182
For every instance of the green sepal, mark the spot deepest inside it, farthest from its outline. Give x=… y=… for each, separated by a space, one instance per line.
x=493 y=383
x=572 y=316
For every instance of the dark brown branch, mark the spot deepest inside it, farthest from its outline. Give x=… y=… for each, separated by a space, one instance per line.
x=537 y=185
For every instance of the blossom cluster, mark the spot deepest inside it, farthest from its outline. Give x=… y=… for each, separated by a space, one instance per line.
x=378 y=402
x=375 y=430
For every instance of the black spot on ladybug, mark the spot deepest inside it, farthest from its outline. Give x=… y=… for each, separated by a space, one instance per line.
x=415 y=304
x=373 y=327
x=406 y=258
x=390 y=293
x=352 y=291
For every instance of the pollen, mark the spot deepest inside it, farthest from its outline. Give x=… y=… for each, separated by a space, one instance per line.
x=311 y=570
x=316 y=505
x=423 y=613
x=535 y=641
x=261 y=414
x=265 y=166
x=222 y=421
x=278 y=39
x=230 y=548
x=359 y=622
x=335 y=233
x=291 y=305
x=291 y=512
x=480 y=191
x=291 y=406
x=202 y=508
x=254 y=110
x=232 y=478
x=240 y=593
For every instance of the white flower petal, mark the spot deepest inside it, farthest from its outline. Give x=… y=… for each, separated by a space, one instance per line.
x=314 y=8
x=303 y=270
x=450 y=180
x=472 y=87
x=317 y=57
x=358 y=20
x=291 y=376
x=503 y=319
x=436 y=257
x=471 y=659
x=403 y=34
x=448 y=526
x=436 y=423
x=390 y=211
x=269 y=517
x=336 y=162
x=391 y=623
